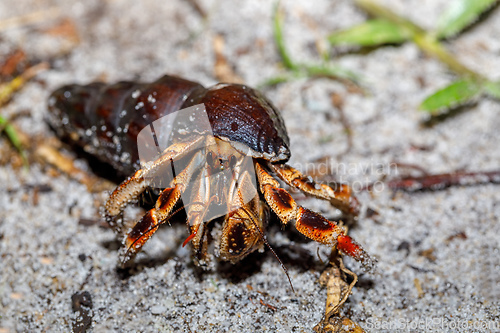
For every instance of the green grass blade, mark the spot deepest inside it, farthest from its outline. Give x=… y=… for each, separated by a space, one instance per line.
x=371 y=33
x=492 y=89
x=457 y=93
x=331 y=72
x=278 y=37
x=461 y=14
x=275 y=80
x=11 y=134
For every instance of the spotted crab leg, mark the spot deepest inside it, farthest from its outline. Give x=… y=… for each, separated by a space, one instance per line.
x=340 y=196
x=243 y=226
x=149 y=223
x=307 y=222
x=132 y=187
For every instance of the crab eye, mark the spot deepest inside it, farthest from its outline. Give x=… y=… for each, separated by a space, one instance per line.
x=210 y=159
x=232 y=161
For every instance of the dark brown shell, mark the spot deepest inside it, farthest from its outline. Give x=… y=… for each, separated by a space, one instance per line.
x=242 y=114
x=105 y=119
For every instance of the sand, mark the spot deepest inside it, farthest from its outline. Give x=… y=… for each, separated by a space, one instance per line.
x=438 y=251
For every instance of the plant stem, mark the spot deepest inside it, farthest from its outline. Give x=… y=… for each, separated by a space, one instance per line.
x=433 y=47
x=424 y=40
x=377 y=10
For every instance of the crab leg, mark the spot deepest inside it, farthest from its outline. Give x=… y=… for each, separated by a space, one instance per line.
x=341 y=196
x=132 y=187
x=236 y=193
x=196 y=211
x=149 y=223
x=307 y=222
x=243 y=226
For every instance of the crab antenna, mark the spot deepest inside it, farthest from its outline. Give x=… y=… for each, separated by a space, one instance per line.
x=270 y=248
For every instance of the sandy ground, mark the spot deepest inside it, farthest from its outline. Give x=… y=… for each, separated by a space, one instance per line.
x=438 y=252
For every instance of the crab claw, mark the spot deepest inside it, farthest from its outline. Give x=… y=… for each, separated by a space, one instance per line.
x=190 y=237
x=348 y=246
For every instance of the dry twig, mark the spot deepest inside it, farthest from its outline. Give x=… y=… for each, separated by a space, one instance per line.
x=31 y=18
x=337 y=292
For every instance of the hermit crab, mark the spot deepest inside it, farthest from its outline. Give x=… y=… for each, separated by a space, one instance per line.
x=234 y=165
